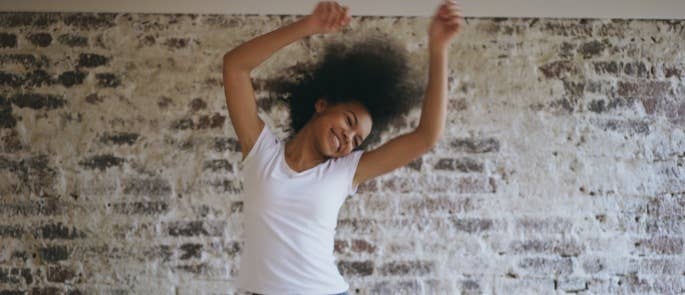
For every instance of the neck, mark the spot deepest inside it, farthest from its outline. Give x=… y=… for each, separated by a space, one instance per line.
x=301 y=153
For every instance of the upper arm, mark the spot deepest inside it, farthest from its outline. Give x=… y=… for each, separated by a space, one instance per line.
x=242 y=107
x=393 y=154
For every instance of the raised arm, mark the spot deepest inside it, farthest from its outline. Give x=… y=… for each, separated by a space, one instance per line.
x=239 y=63
x=403 y=149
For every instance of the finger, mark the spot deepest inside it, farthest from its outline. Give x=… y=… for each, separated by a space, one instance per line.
x=344 y=15
x=339 y=14
x=327 y=15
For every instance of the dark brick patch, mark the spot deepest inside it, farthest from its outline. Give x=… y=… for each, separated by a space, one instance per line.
x=356 y=268
x=58 y=231
x=145 y=208
x=27 y=60
x=11 y=79
x=102 y=162
x=562 y=248
x=147 y=187
x=60 y=274
x=460 y=164
x=407 y=268
x=195 y=228
x=91 y=60
x=71 y=78
x=107 y=80
x=28 y=19
x=197 y=104
x=226 y=144
x=231 y=186
x=475 y=145
x=128 y=138
x=592 y=48
x=38 y=101
x=11 y=231
x=472 y=225
x=40 y=39
x=90 y=21
x=8 y=40
x=191 y=250
x=38 y=78
x=73 y=40
x=218 y=164
x=54 y=253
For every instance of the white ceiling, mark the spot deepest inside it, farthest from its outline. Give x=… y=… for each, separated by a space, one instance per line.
x=663 y=9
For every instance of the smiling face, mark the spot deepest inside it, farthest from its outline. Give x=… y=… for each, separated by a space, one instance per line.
x=340 y=128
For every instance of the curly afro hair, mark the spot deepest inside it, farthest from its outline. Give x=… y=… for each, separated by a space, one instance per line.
x=373 y=72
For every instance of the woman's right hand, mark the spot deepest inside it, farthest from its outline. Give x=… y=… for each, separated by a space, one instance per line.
x=328 y=17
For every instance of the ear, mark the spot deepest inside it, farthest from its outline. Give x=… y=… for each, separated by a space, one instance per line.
x=320 y=105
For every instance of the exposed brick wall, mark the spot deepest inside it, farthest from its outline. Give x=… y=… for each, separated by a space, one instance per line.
x=561 y=168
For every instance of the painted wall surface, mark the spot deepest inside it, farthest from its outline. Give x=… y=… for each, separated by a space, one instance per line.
x=560 y=170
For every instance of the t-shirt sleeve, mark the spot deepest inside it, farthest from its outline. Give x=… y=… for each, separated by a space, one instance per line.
x=265 y=140
x=352 y=163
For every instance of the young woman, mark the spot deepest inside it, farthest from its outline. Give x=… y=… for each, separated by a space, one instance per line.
x=294 y=189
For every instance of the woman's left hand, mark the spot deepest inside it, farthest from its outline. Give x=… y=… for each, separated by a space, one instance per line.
x=447 y=23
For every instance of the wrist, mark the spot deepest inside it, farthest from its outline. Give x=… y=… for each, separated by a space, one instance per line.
x=437 y=47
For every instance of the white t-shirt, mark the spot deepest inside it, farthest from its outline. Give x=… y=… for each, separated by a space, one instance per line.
x=290 y=221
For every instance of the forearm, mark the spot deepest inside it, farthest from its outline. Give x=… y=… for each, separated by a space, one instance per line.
x=252 y=53
x=433 y=113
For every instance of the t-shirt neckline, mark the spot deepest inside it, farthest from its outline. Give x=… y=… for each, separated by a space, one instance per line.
x=292 y=171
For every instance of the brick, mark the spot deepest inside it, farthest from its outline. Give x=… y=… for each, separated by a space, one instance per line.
x=8 y=40
x=546 y=266
x=191 y=250
x=395 y=287
x=415 y=268
x=559 y=69
x=218 y=165
x=592 y=48
x=562 y=248
x=54 y=253
x=119 y=138
x=90 y=21
x=146 y=186
x=197 y=104
x=140 y=208
x=356 y=268
x=437 y=206
x=226 y=144
x=664 y=245
x=572 y=284
x=463 y=164
x=102 y=162
x=28 y=19
x=655 y=89
x=38 y=101
x=107 y=80
x=11 y=79
x=38 y=78
x=196 y=228
x=472 y=225
x=359 y=246
x=11 y=231
x=475 y=145
x=40 y=39
x=58 y=231
x=73 y=40
x=231 y=186
x=60 y=274
x=440 y=184
x=71 y=78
